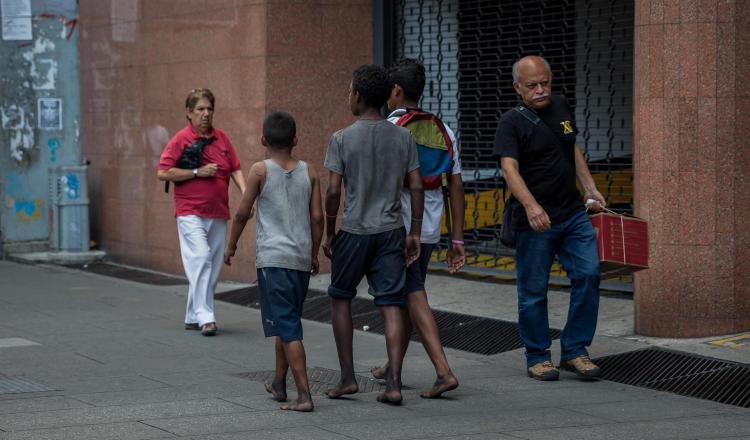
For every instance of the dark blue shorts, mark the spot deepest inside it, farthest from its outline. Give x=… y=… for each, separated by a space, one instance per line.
x=416 y=273
x=282 y=294
x=380 y=257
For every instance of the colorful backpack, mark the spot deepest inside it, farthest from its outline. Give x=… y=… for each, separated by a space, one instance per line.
x=434 y=146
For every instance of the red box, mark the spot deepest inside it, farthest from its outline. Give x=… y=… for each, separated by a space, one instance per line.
x=622 y=243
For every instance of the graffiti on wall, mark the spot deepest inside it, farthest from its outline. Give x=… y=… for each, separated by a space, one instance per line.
x=28 y=210
x=53 y=144
x=68 y=24
x=15 y=119
x=42 y=67
x=38 y=74
x=70 y=182
x=19 y=201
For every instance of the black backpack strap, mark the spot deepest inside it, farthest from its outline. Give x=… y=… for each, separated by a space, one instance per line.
x=537 y=121
x=528 y=114
x=532 y=117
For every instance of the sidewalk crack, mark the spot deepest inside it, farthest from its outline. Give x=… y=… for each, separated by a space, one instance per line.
x=156 y=427
x=334 y=432
x=89 y=358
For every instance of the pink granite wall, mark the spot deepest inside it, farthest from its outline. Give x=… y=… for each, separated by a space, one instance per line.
x=313 y=48
x=691 y=160
x=140 y=58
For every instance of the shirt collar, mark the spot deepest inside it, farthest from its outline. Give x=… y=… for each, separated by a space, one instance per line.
x=196 y=135
x=397 y=113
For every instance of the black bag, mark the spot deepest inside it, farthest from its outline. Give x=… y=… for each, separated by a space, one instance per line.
x=191 y=157
x=507 y=236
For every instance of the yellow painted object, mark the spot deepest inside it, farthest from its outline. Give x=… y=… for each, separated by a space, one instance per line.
x=740 y=341
x=482 y=209
x=615 y=186
x=426 y=133
x=485 y=209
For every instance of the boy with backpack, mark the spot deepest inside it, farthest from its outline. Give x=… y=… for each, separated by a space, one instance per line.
x=289 y=227
x=373 y=158
x=438 y=157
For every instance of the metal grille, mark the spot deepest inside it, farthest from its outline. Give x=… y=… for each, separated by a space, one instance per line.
x=680 y=373
x=428 y=31
x=321 y=380
x=463 y=332
x=468 y=48
x=130 y=274
x=19 y=385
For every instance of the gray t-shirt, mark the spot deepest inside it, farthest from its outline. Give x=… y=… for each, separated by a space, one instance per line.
x=374 y=156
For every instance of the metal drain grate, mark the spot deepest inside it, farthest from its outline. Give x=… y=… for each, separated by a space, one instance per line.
x=321 y=380
x=19 y=385
x=248 y=297
x=130 y=274
x=462 y=332
x=680 y=373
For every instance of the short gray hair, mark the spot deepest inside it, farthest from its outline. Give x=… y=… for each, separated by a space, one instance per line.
x=515 y=66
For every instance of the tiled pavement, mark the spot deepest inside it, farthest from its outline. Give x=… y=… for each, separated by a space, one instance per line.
x=120 y=366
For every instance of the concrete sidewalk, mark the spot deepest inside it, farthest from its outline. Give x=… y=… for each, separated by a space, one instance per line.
x=118 y=365
x=500 y=301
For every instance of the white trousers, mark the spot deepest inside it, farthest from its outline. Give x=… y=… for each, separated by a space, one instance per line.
x=202 y=249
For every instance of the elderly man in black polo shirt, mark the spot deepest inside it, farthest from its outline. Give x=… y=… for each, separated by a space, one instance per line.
x=536 y=144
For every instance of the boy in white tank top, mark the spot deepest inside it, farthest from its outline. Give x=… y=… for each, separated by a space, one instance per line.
x=289 y=227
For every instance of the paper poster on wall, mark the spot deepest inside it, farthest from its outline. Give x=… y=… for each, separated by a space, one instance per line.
x=16 y=19
x=50 y=113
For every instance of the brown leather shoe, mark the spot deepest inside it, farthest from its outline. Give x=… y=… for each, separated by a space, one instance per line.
x=209 y=329
x=543 y=371
x=582 y=366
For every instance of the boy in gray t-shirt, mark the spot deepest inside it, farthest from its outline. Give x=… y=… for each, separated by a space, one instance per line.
x=373 y=158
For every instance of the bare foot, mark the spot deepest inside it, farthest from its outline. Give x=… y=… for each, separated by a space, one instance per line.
x=342 y=389
x=392 y=397
x=277 y=390
x=441 y=385
x=302 y=404
x=379 y=372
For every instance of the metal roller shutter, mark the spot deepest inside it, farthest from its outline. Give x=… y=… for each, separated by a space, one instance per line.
x=469 y=47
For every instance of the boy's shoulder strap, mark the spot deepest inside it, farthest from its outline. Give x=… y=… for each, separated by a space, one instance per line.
x=397 y=113
x=528 y=114
x=414 y=114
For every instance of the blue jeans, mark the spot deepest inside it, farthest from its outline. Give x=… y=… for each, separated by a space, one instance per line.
x=574 y=242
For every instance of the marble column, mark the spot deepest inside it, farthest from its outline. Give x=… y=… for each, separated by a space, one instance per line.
x=691 y=161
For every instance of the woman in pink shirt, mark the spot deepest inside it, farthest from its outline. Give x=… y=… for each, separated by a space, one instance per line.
x=201 y=200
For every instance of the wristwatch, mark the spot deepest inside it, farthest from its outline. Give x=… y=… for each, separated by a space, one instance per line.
x=195 y=172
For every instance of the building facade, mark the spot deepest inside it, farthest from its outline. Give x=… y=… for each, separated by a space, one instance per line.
x=39 y=119
x=656 y=88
